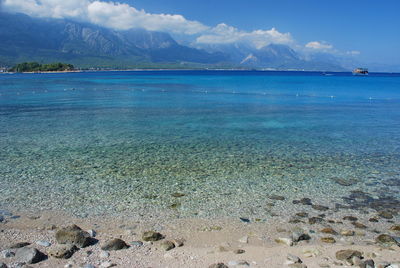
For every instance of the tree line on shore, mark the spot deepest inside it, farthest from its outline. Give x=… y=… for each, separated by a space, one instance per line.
x=37 y=67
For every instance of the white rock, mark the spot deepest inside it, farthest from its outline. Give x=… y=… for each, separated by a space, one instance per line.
x=244 y=239
x=7 y=253
x=92 y=233
x=43 y=243
x=104 y=254
x=285 y=241
x=106 y=264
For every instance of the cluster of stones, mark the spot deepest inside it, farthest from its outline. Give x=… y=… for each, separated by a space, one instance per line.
x=70 y=240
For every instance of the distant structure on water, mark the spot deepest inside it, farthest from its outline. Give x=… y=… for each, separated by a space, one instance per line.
x=360 y=71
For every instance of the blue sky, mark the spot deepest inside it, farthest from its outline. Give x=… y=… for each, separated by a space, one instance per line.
x=367 y=31
x=370 y=26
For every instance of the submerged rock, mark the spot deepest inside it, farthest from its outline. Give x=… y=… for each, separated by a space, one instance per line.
x=350 y=218
x=359 y=225
x=152 y=236
x=347 y=232
x=386 y=240
x=115 y=244
x=385 y=214
x=395 y=228
x=276 y=197
x=73 y=235
x=319 y=207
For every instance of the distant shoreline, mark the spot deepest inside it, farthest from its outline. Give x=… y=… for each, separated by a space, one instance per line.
x=164 y=69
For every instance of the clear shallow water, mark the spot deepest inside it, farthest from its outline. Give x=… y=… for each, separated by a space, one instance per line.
x=124 y=142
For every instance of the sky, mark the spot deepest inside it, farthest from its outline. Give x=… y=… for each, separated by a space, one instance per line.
x=367 y=30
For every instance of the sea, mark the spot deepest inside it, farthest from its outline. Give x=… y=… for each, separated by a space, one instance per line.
x=199 y=144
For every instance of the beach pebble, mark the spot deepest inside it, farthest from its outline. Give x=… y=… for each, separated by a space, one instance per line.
x=311 y=252
x=293 y=259
x=73 y=235
x=106 y=264
x=19 y=245
x=167 y=245
x=104 y=254
x=239 y=251
x=329 y=240
x=386 y=240
x=29 y=255
x=385 y=214
x=284 y=240
x=43 y=243
x=319 y=207
x=238 y=263
x=244 y=239
x=136 y=243
x=114 y=244
x=347 y=255
x=7 y=253
x=218 y=265
x=347 y=232
x=300 y=235
x=92 y=233
x=350 y=218
x=152 y=236
x=62 y=251
x=88 y=266
x=395 y=228
x=329 y=230
x=178 y=242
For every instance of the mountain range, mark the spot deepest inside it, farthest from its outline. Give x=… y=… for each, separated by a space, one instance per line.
x=23 y=38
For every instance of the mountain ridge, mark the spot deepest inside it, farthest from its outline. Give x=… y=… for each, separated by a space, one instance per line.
x=86 y=45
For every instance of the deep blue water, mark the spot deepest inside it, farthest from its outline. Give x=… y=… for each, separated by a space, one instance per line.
x=223 y=138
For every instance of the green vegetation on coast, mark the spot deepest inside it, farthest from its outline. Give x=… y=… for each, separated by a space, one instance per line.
x=37 y=67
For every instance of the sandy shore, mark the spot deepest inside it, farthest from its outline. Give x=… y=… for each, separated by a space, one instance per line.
x=206 y=242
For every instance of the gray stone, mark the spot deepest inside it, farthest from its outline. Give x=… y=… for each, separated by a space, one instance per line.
x=152 y=236
x=106 y=264
x=19 y=245
x=1 y=218
x=104 y=254
x=3 y=265
x=88 y=266
x=62 y=251
x=7 y=253
x=43 y=243
x=136 y=243
x=29 y=255
x=73 y=235
x=293 y=258
x=367 y=264
x=115 y=244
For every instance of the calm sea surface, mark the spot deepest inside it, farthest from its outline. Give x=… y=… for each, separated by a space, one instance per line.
x=198 y=143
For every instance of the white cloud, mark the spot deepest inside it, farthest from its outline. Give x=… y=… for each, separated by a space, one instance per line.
x=109 y=14
x=323 y=46
x=353 y=52
x=225 y=34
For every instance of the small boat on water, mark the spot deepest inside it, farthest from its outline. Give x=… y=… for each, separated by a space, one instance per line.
x=360 y=71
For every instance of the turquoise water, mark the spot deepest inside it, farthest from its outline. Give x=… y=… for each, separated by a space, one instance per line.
x=125 y=142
